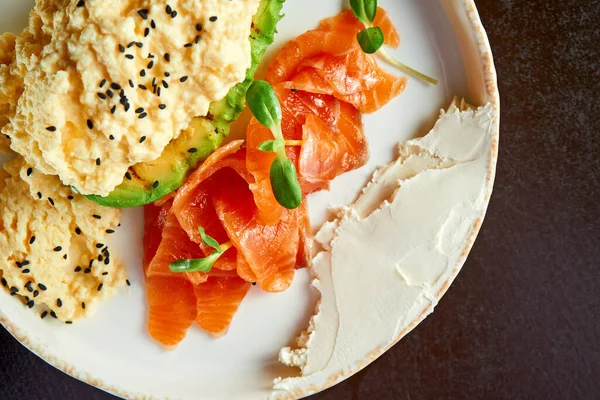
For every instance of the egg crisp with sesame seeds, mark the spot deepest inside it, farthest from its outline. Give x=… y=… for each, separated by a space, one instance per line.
x=98 y=86
x=53 y=251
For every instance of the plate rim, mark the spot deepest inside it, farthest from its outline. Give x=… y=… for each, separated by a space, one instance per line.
x=491 y=88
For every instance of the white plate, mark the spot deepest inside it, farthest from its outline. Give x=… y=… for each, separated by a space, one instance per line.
x=113 y=351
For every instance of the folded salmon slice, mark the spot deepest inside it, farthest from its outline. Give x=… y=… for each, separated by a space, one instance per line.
x=218 y=300
x=344 y=72
x=333 y=143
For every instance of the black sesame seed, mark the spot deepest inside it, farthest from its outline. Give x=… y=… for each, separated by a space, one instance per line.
x=188 y=45
x=199 y=27
x=183 y=79
x=107 y=261
x=102 y=83
x=19 y=264
x=143 y=13
x=28 y=287
x=70 y=197
x=44 y=315
x=126 y=107
x=167 y=74
x=51 y=128
x=100 y=286
x=30 y=304
x=29 y=171
x=98 y=161
x=146 y=32
x=150 y=64
x=50 y=201
x=127 y=282
x=173 y=14
x=78 y=231
x=143 y=115
x=53 y=314
x=100 y=258
x=68 y=322
x=154 y=90
x=14 y=290
x=153 y=24
x=111 y=137
x=154 y=81
x=80 y=3
x=26 y=262
x=139 y=44
x=42 y=286
x=78 y=269
x=110 y=93
x=83 y=305
x=213 y=19
x=128 y=176
x=58 y=248
x=59 y=303
x=168 y=57
x=253 y=283
x=102 y=96
x=165 y=84
x=65 y=257
x=109 y=231
x=90 y=124
x=91 y=263
x=32 y=240
x=162 y=106
x=142 y=139
x=139 y=110
x=143 y=87
x=99 y=245
x=131 y=44
x=192 y=150
x=87 y=271
x=169 y=10
x=36 y=293
x=113 y=110
x=129 y=57
x=131 y=83
x=26 y=271
x=197 y=39
x=143 y=73
x=97 y=216
x=39 y=195
x=155 y=184
x=104 y=273
x=4 y=283
x=122 y=48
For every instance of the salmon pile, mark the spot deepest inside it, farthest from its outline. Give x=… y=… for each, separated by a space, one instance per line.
x=324 y=82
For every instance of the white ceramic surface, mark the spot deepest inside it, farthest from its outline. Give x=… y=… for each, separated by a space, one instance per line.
x=443 y=38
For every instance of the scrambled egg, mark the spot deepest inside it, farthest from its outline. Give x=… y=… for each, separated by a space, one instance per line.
x=52 y=244
x=94 y=87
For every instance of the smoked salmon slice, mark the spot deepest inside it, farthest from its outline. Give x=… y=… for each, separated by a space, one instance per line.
x=172 y=304
x=172 y=309
x=270 y=250
x=218 y=300
x=333 y=143
x=346 y=73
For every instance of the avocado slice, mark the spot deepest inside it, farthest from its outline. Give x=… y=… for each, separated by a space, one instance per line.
x=147 y=182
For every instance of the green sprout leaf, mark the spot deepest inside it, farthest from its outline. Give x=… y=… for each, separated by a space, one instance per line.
x=270 y=146
x=364 y=10
x=199 y=265
x=371 y=39
x=209 y=241
x=284 y=181
x=264 y=104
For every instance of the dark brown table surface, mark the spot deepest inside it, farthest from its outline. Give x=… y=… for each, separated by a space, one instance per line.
x=522 y=321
